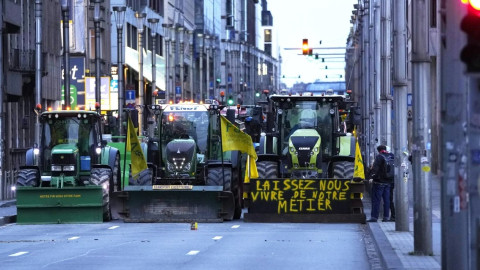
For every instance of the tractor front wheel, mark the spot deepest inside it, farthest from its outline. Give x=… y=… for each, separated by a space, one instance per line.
x=101 y=177
x=343 y=170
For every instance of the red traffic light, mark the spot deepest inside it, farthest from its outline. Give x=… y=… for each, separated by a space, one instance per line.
x=305 y=48
x=470 y=54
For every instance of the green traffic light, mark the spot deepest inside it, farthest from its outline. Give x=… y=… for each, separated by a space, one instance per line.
x=257 y=94
x=230 y=102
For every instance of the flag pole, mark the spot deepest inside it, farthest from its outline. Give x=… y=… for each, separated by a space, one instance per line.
x=125 y=154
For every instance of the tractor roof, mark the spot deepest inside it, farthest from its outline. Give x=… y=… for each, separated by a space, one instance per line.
x=308 y=97
x=192 y=107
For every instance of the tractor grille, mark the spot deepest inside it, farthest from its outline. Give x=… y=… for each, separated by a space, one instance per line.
x=61 y=160
x=304 y=146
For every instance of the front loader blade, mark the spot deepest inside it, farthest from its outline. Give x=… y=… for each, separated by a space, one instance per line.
x=173 y=204
x=43 y=205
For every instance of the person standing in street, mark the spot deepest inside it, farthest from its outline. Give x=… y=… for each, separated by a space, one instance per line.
x=382 y=181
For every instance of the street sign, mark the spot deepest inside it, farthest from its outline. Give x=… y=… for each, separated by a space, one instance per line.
x=130 y=99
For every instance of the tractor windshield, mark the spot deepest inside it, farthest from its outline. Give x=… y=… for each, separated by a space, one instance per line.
x=309 y=115
x=186 y=125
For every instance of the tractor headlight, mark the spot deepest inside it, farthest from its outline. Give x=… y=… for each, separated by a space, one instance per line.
x=170 y=166
x=292 y=149
x=187 y=166
x=69 y=168
x=36 y=151
x=315 y=149
x=56 y=168
x=98 y=150
x=13 y=188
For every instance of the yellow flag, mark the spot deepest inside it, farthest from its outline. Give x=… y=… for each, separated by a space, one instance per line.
x=359 y=171
x=133 y=145
x=234 y=139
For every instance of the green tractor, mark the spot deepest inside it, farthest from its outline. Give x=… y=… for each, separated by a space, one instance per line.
x=70 y=176
x=306 y=163
x=193 y=180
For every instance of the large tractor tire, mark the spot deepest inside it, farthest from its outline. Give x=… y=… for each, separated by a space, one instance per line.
x=215 y=177
x=343 y=170
x=116 y=175
x=237 y=193
x=267 y=169
x=102 y=177
x=28 y=178
x=144 y=178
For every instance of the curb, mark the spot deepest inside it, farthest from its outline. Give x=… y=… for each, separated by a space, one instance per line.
x=8 y=203
x=387 y=254
x=8 y=219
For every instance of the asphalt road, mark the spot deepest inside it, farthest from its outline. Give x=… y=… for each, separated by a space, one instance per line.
x=229 y=245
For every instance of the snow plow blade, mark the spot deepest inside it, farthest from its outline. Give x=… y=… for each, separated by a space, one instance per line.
x=305 y=200
x=173 y=203
x=46 y=205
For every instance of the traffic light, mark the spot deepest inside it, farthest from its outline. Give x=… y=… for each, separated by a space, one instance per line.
x=470 y=54
x=305 y=48
x=230 y=100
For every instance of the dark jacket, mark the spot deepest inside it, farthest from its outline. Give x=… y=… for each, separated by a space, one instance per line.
x=377 y=169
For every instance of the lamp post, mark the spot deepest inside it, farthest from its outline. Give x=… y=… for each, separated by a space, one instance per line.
x=96 y=20
x=200 y=44
x=140 y=20
x=166 y=33
x=66 y=57
x=181 y=32
x=207 y=68
x=153 y=27
x=119 y=13
x=192 y=61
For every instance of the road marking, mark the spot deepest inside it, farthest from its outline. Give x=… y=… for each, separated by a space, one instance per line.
x=193 y=252
x=217 y=237
x=18 y=254
x=235 y=226
x=73 y=238
x=113 y=227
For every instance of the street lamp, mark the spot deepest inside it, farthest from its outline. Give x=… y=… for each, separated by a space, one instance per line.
x=166 y=33
x=66 y=58
x=153 y=29
x=140 y=21
x=192 y=61
x=200 y=44
x=119 y=13
x=96 y=20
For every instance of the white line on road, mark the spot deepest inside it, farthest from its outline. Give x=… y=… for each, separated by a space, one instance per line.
x=18 y=254
x=217 y=237
x=73 y=238
x=193 y=252
x=235 y=226
x=113 y=227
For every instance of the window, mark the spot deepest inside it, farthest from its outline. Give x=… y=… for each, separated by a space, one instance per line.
x=268 y=35
x=91 y=43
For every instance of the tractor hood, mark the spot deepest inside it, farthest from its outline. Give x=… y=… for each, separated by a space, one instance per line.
x=65 y=149
x=304 y=146
x=180 y=155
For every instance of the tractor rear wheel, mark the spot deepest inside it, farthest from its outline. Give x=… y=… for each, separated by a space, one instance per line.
x=343 y=170
x=116 y=174
x=215 y=177
x=28 y=178
x=267 y=169
x=101 y=177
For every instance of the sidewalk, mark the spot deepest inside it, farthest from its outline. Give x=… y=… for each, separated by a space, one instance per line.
x=8 y=212
x=395 y=247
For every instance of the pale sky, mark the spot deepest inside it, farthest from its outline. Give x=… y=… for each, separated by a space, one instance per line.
x=318 y=20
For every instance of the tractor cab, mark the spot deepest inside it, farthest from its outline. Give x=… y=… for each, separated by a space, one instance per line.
x=68 y=146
